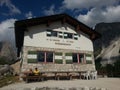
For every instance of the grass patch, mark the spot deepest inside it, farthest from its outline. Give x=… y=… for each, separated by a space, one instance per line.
x=9 y=79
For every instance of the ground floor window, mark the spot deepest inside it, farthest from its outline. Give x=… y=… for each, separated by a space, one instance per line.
x=89 y=59
x=49 y=56
x=81 y=58
x=58 y=57
x=78 y=58
x=41 y=56
x=74 y=58
x=45 y=56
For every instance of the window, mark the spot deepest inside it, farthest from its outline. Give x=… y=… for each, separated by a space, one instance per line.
x=70 y=35
x=81 y=58
x=75 y=36
x=58 y=57
x=45 y=56
x=65 y=35
x=68 y=57
x=32 y=57
x=60 y=35
x=74 y=58
x=49 y=33
x=41 y=56
x=54 y=33
x=49 y=56
x=88 y=58
x=77 y=58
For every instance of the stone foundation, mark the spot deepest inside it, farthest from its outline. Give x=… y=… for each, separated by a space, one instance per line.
x=59 y=67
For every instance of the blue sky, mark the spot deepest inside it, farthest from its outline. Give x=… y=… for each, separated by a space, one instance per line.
x=90 y=12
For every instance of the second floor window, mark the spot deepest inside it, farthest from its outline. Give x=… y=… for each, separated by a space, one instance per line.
x=70 y=35
x=48 y=33
x=54 y=33
x=65 y=35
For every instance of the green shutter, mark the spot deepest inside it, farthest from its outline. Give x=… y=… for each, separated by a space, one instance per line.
x=76 y=36
x=88 y=62
x=88 y=55
x=68 y=54
x=58 y=53
x=32 y=61
x=59 y=61
x=32 y=52
x=69 y=61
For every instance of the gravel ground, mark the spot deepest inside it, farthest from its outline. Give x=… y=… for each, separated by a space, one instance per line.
x=76 y=84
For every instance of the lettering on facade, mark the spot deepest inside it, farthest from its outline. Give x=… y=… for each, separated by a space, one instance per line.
x=60 y=42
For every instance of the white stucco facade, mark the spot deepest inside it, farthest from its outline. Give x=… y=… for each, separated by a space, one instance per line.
x=36 y=37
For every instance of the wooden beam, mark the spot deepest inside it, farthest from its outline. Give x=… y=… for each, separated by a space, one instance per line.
x=77 y=27
x=63 y=20
x=92 y=36
x=48 y=23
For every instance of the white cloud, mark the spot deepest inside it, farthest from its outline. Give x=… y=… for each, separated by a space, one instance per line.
x=97 y=15
x=97 y=10
x=80 y=4
x=7 y=31
x=112 y=14
x=29 y=15
x=50 y=11
x=53 y=10
x=10 y=6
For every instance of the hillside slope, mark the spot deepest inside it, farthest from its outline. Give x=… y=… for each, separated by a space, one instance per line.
x=108 y=46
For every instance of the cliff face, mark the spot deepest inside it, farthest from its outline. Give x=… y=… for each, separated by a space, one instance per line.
x=7 y=53
x=108 y=46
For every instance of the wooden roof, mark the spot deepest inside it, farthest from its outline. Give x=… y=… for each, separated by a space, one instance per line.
x=21 y=26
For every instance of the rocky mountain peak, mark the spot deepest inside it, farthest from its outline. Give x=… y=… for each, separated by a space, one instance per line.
x=108 y=46
x=7 y=53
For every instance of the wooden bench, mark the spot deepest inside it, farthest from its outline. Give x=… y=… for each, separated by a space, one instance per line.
x=31 y=78
x=26 y=77
x=60 y=75
x=47 y=75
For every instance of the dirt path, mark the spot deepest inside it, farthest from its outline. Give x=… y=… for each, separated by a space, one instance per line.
x=109 y=83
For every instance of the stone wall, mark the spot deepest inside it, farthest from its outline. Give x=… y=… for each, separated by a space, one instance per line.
x=59 y=67
x=53 y=66
x=57 y=88
x=16 y=68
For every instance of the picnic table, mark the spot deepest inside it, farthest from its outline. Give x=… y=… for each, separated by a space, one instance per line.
x=57 y=75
